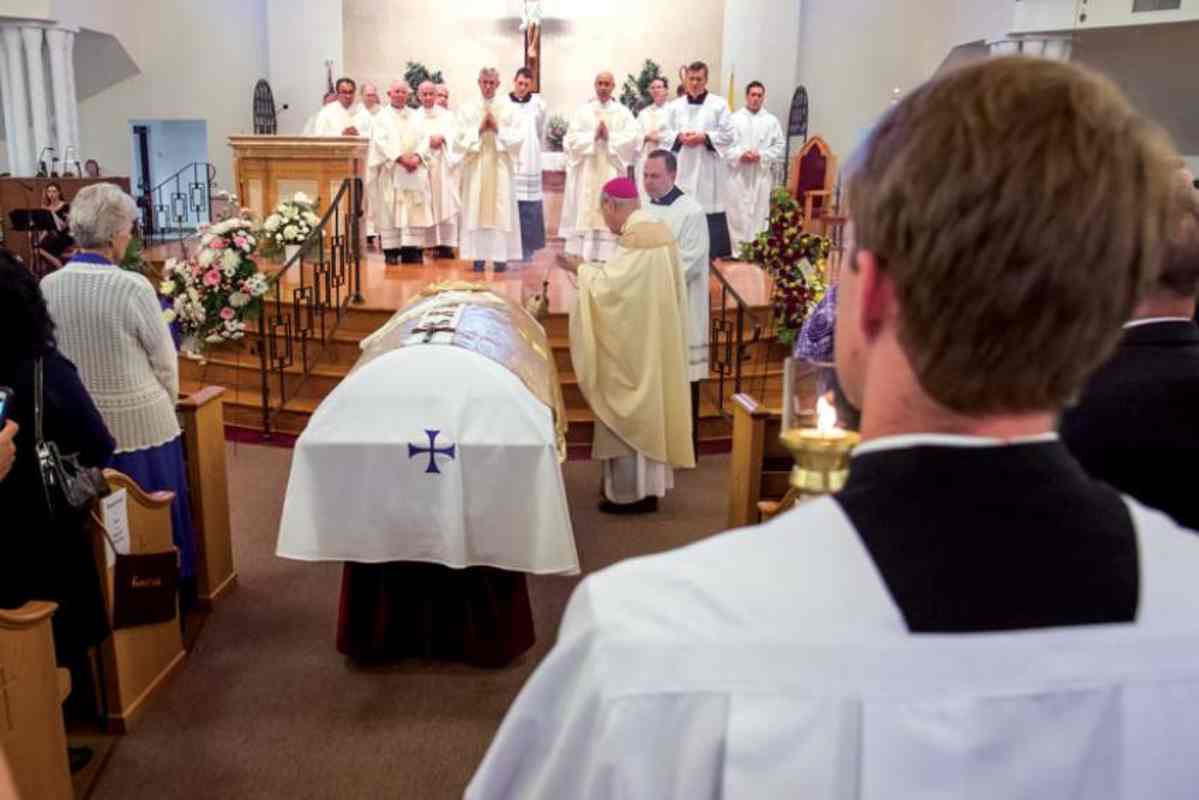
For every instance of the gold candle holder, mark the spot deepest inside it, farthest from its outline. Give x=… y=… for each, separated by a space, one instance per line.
x=821 y=459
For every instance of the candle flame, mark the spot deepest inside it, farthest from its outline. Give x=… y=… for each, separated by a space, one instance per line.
x=826 y=415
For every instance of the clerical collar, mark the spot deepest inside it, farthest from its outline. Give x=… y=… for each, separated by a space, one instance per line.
x=1136 y=323
x=697 y=101
x=910 y=440
x=521 y=100
x=668 y=199
x=90 y=258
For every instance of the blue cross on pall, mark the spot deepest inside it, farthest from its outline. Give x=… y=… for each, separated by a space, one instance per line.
x=433 y=450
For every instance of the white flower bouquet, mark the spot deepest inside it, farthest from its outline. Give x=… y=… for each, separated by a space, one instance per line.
x=215 y=293
x=290 y=223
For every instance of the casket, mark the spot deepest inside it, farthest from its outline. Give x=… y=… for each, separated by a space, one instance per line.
x=434 y=471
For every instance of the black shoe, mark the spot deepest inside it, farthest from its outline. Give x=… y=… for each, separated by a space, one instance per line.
x=79 y=757
x=391 y=257
x=501 y=266
x=411 y=255
x=480 y=266
x=646 y=505
x=445 y=252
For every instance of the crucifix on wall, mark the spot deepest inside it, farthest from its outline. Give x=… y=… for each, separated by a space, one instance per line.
x=531 y=25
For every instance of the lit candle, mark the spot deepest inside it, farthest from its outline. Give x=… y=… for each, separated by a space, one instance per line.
x=821 y=453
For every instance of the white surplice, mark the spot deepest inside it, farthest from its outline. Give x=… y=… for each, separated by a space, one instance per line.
x=532 y=116
x=750 y=184
x=490 y=225
x=652 y=119
x=589 y=165
x=334 y=118
x=443 y=175
x=689 y=225
x=772 y=662
x=362 y=487
x=364 y=118
x=702 y=171
x=401 y=203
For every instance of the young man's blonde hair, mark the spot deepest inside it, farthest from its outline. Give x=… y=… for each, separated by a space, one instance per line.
x=1019 y=206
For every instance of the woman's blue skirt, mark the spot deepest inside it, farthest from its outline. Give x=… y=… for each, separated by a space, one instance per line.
x=162 y=468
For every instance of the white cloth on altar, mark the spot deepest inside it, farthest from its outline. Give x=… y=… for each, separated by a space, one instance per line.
x=532 y=115
x=750 y=184
x=652 y=118
x=401 y=200
x=772 y=662
x=333 y=119
x=589 y=165
x=702 y=172
x=359 y=492
x=491 y=233
x=689 y=225
x=443 y=175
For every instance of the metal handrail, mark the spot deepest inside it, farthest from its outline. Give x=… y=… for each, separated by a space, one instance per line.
x=183 y=201
x=727 y=340
x=324 y=286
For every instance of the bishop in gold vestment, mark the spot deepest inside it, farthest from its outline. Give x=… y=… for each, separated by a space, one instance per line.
x=628 y=351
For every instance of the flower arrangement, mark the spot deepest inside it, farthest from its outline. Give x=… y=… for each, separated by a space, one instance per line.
x=635 y=93
x=555 y=132
x=289 y=224
x=214 y=294
x=794 y=259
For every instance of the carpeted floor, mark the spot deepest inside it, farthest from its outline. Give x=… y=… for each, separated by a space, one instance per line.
x=267 y=708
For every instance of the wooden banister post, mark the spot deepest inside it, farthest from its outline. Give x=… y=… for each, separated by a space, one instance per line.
x=745 y=466
x=203 y=421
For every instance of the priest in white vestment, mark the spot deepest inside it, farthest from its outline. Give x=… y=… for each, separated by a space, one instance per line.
x=652 y=121
x=601 y=143
x=397 y=165
x=489 y=139
x=760 y=147
x=363 y=119
x=530 y=109
x=629 y=351
x=972 y=615
x=339 y=119
x=689 y=225
x=443 y=96
x=436 y=126
x=703 y=135
x=309 y=128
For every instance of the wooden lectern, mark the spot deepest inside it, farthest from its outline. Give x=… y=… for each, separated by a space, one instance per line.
x=269 y=169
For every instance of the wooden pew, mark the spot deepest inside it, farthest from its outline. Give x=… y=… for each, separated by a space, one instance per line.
x=138 y=661
x=202 y=418
x=760 y=467
x=33 y=739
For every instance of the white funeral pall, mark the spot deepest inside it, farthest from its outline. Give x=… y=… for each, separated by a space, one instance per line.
x=430 y=453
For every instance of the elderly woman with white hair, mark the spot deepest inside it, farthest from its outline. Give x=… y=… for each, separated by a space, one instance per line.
x=110 y=324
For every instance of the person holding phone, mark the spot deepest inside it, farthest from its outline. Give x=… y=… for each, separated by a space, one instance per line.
x=8 y=450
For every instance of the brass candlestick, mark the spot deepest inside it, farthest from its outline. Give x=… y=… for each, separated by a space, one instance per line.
x=821 y=457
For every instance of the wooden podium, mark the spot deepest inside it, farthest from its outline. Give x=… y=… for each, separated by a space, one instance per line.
x=273 y=168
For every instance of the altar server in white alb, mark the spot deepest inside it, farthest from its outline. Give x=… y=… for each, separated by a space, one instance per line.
x=652 y=121
x=530 y=110
x=397 y=165
x=363 y=119
x=972 y=616
x=601 y=144
x=703 y=135
x=339 y=118
x=489 y=137
x=689 y=225
x=760 y=146
x=436 y=127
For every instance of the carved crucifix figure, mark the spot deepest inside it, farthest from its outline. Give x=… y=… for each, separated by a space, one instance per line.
x=530 y=23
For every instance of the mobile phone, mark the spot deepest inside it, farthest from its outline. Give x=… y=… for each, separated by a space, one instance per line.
x=5 y=400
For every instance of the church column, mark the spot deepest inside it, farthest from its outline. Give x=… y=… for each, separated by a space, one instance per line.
x=38 y=96
x=19 y=144
x=63 y=100
x=6 y=97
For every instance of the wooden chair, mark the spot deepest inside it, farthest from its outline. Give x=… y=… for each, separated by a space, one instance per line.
x=760 y=467
x=33 y=739
x=138 y=661
x=203 y=421
x=811 y=178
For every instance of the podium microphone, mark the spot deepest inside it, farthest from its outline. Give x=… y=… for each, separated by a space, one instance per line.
x=54 y=167
x=41 y=160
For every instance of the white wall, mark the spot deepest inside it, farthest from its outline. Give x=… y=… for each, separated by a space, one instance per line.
x=197 y=61
x=460 y=37
x=301 y=35
x=761 y=43
x=173 y=145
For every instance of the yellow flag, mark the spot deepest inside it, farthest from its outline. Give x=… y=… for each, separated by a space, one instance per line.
x=732 y=88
